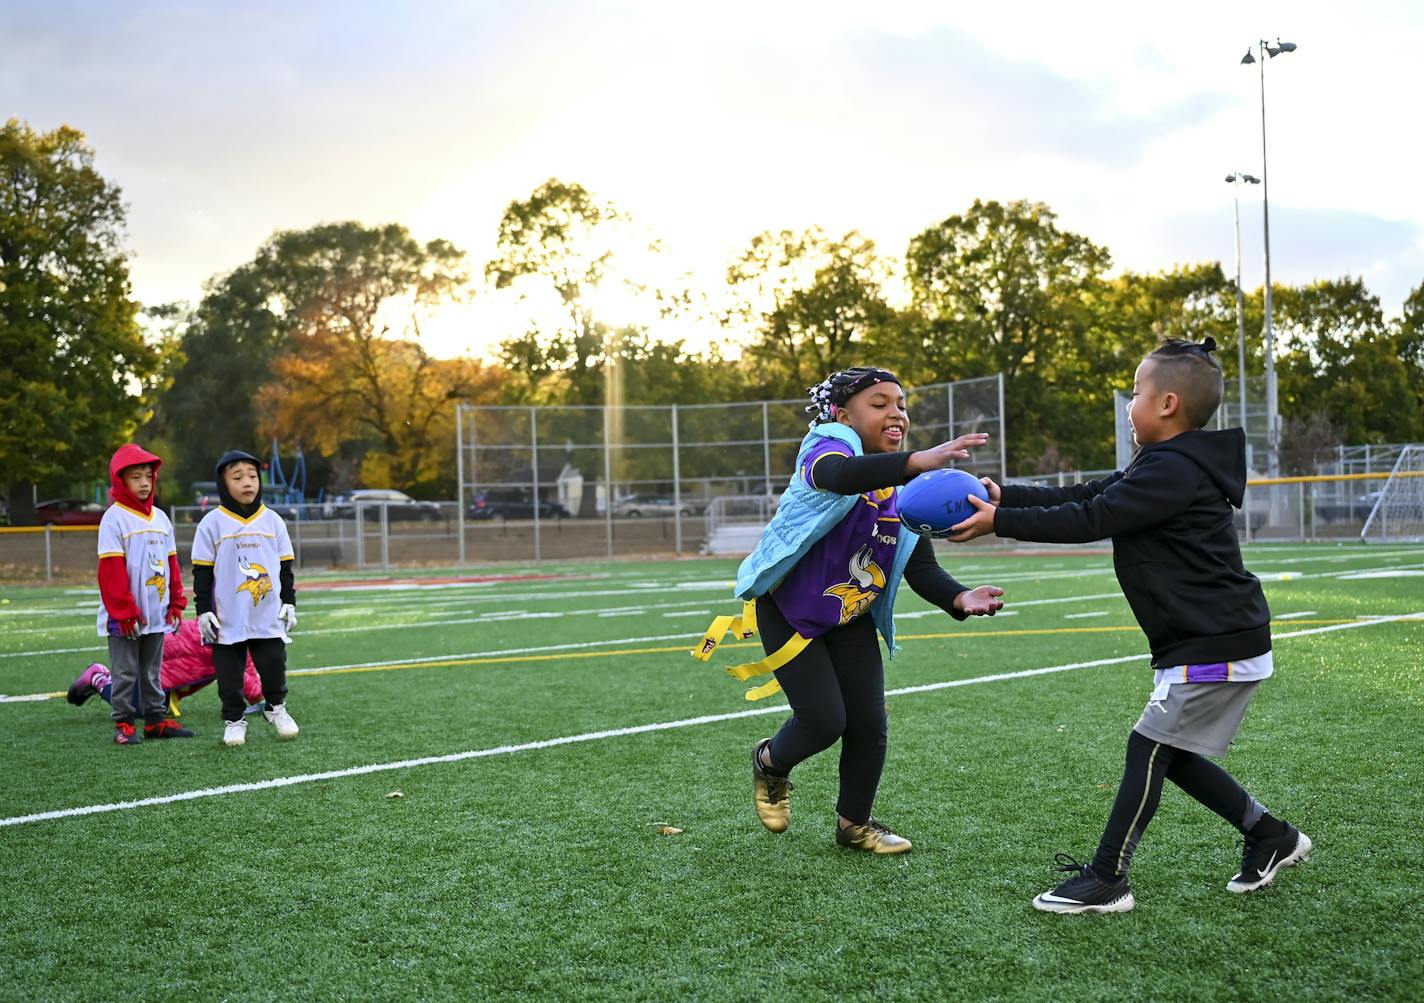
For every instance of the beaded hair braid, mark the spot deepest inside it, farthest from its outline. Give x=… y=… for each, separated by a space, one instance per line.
x=840 y=387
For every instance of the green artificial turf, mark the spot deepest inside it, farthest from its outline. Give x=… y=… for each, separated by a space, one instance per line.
x=542 y=872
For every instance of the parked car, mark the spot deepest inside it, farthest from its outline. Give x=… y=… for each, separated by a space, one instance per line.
x=637 y=506
x=1357 y=508
x=513 y=505
x=399 y=506
x=69 y=512
x=205 y=497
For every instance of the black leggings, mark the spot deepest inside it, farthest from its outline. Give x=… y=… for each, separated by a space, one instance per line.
x=1149 y=764
x=836 y=687
x=269 y=656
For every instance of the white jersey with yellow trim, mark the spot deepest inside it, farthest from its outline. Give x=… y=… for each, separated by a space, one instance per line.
x=246 y=556
x=145 y=542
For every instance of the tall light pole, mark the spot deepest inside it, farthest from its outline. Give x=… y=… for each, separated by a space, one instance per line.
x=1273 y=421
x=1235 y=179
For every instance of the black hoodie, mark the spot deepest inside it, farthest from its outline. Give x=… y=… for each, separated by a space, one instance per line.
x=228 y=501
x=1174 y=543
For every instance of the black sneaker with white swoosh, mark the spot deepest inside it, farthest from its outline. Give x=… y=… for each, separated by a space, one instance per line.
x=1085 y=893
x=1262 y=858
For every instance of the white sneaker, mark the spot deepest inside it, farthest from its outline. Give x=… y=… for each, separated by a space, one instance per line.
x=282 y=721
x=235 y=733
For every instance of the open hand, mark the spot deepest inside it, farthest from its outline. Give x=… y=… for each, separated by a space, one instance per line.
x=132 y=628
x=935 y=457
x=995 y=494
x=983 y=601
x=981 y=523
x=174 y=617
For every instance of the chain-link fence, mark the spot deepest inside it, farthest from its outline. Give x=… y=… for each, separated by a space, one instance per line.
x=542 y=482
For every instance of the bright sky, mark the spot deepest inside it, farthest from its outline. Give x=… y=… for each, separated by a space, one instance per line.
x=225 y=122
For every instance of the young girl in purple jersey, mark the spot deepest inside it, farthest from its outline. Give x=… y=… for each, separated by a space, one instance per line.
x=823 y=578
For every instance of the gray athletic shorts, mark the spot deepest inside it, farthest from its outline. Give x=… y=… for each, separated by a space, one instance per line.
x=1199 y=717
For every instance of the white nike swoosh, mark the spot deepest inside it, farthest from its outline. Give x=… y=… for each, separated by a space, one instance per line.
x=1049 y=897
x=1267 y=869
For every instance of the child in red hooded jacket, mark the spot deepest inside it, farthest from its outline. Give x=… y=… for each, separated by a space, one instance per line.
x=141 y=593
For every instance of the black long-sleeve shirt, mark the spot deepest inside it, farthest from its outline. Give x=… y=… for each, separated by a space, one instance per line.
x=1169 y=515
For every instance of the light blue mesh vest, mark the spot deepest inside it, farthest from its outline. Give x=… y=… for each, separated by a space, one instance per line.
x=804 y=516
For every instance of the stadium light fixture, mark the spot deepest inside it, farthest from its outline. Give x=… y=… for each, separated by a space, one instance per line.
x=1266 y=50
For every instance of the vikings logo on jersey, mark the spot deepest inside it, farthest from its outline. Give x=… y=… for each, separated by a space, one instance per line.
x=257 y=582
x=867 y=580
x=160 y=576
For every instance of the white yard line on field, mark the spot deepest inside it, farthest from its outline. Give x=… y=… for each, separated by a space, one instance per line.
x=594 y=736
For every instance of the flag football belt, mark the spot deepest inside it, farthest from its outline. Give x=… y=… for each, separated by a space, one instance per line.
x=744 y=627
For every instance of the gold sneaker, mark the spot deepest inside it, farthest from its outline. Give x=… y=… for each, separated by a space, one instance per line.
x=770 y=794
x=873 y=837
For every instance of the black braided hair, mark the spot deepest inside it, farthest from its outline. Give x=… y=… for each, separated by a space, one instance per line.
x=841 y=386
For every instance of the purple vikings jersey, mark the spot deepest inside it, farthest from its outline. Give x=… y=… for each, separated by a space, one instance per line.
x=844 y=571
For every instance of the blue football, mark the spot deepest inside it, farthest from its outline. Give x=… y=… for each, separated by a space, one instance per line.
x=939 y=499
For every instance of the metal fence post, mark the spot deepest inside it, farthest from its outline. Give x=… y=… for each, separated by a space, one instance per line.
x=607 y=480
x=766 y=448
x=534 y=471
x=49 y=556
x=385 y=535
x=676 y=484
x=297 y=543
x=460 y=476
x=1003 y=443
x=360 y=535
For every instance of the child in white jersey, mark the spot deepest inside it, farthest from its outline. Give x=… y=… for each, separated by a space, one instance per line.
x=235 y=551
x=141 y=594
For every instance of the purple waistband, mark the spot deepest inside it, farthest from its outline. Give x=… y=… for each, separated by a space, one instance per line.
x=1215 y=672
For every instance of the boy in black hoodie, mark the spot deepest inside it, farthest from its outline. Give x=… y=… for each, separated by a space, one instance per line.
x=1175 y=552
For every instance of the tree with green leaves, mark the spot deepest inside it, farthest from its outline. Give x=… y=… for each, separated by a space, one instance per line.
x=1001 y=288
x=1409 y=334
x=1338 y=358
x=1130 y=314
x=559 y=241
x=77 y=364
x=814 y=303
x=337 y=289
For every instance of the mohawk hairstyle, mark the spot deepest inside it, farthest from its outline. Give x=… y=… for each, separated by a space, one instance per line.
x=1189 y=370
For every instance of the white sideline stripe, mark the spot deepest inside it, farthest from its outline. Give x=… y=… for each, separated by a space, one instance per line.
x=436 y=658
x=613 y=611
x=1267 y=559
x=1080 y=616
x=495 y=616
x=594 y=736
x=1295 y=616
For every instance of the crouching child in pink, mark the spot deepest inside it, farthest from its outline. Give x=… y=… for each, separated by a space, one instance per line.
x=187 y=667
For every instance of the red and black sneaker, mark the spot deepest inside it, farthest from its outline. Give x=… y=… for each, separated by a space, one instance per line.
x=125 y=734
x=167 y=728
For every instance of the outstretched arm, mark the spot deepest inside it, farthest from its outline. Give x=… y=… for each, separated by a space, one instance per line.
x=935 y=585
x=852 y=475
x=1159 y=486
x=1045 y=496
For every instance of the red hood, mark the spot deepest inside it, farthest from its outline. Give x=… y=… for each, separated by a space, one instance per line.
x=131 y=455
